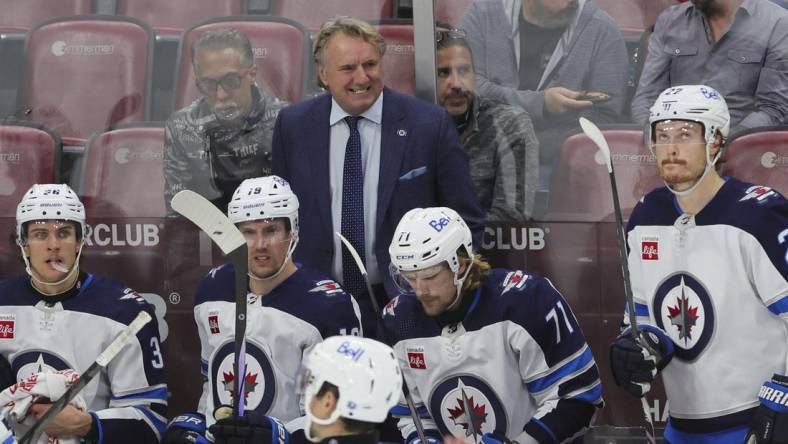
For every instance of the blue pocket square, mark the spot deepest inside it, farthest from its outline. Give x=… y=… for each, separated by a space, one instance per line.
x=414 y=173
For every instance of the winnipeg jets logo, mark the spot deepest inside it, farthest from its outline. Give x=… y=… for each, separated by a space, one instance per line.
x=327 y=286
x=758 y=192
x=686 y=313
x=515 y=279
x=389 y=310
x=683 y=317
x=466 y=405
x=250 y=383
x=467 y=414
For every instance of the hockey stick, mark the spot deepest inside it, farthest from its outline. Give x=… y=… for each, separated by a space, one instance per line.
x=414 y=414
x=103 y=359
x=596 y=136
x=226 y=236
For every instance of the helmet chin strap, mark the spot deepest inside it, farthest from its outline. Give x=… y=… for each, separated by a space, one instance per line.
x=290 y=249
x=709 y=166
x=38 y=283
x=458 y=284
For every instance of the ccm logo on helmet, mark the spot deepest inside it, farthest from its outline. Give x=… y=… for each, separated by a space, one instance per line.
x=440 y=224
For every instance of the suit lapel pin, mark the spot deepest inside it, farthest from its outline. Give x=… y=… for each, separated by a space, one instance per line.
x=402 y=132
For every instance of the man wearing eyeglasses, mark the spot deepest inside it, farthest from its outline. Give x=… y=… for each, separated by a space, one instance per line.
x=224 y=137
x=503 y=151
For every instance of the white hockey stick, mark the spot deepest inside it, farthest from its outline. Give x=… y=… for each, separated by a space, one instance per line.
x=226 y=236
x=109 y=353
x=596 y=136
x=414 y=414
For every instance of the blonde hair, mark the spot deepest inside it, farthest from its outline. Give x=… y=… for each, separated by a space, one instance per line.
x=479 y=269
x=350 y=27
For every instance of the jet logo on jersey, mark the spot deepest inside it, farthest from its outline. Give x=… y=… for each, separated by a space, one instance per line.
x=213 y=323
x=389 y=309
x=259 y=382
x=327 y=286
x=7 y=326
x=649 y=248
x=515 y=279
x=758 y=192
x=484 y=408
x=686 y=313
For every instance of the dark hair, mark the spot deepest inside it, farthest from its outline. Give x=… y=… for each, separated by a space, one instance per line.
x=445 y=38
x=351 y=425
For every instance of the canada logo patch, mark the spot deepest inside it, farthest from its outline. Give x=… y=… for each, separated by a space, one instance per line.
x=649 y=248
x=213 y=323
x=416 y=360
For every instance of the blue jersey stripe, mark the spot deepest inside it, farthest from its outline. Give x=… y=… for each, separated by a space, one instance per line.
x=779 y=307
x=728 y=436
x=155 y=419
x=403 y=411
x=590 y=396
x=641 y=309
x=570 y=367
x=159 y=393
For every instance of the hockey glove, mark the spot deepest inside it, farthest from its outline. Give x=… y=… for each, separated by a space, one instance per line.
x=633 y=366
x=188 y=428
x=769 y=423
x=251 y=428
x=495 y=438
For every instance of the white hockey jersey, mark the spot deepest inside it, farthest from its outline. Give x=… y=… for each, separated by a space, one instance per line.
x=280 y=327
x=58 y=333
x=717 y=284
x=518 y=357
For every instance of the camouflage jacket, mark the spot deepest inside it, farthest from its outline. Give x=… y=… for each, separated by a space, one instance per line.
x=503 y=153
x=202 y=155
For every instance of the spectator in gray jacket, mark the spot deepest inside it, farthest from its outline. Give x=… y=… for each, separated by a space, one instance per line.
x=738 y=47
x=503 y=151
x=224 y=137
x=543 y=55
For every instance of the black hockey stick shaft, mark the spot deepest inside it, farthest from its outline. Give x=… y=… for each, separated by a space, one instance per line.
x=226 y=236
x=109 y=353
x=414 y=414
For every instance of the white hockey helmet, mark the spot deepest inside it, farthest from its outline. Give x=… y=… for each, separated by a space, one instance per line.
x=49 y=202
x=696 y=103
x=426 y=237
x=266 y=197
x=365 y=372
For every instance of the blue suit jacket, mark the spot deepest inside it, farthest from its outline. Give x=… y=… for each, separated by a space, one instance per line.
x=422 y=166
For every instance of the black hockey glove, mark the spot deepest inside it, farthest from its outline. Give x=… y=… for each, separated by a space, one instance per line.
x=252 y=428
x=633 y=366
x=188 y=428
x=7 y=377
x=769 y=423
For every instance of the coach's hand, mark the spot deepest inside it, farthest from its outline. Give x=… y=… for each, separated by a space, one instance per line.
x=769 y=424
x=634 y=367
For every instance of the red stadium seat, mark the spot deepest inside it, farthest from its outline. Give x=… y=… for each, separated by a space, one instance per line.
x=760 y=156
x=281 y=51
x=580 y=190
x=19 y=16
x=84 y=73
x=399 y=63
x=450 y=11
x=29 y=154
x=121 y=173
x=171 y=17
x=313 y=13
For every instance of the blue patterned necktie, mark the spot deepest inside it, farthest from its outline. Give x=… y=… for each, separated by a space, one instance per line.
x=353 y=210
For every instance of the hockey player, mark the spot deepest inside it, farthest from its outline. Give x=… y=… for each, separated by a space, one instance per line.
x=489 y=353
x=289 y=310
x=59 y=317
x=349 y=386
x=708 y=257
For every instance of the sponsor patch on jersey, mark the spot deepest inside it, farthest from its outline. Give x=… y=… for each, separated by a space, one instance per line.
x=515 y=279
x=758 y=192
x=327 y=286
x=649 y=248
x=213 y=323
x=416 y=360
x=7 y=326
x=133 y=295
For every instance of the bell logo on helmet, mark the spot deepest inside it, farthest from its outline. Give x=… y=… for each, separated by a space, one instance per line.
x=439 y=224
x=346 y=349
